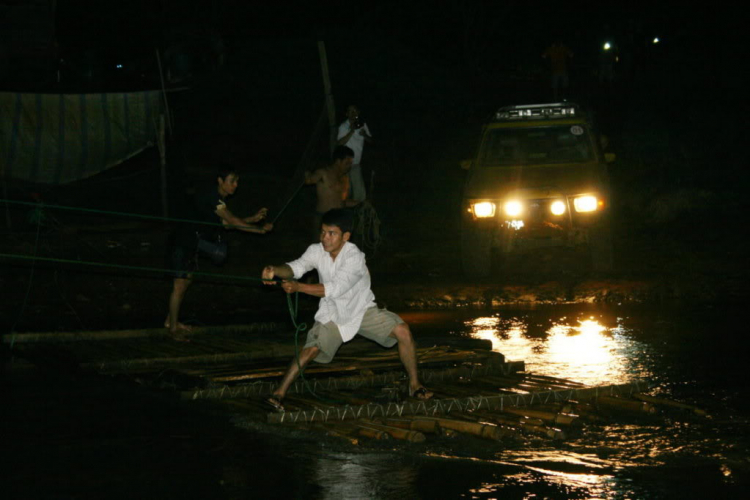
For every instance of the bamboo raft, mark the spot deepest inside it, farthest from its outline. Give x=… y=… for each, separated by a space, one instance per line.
x=362 y=394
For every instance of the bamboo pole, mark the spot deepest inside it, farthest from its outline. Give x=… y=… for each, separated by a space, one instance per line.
x=336 y=431
x=164 y=92
x=626 y=404
x=424 y=426
x=396 y=432
x=329 y=96
x=673 y=404
x=484 y=431
x=372 y=432
x=547 y=416
x=5 y=197
x=163 y=162
x=524 y=424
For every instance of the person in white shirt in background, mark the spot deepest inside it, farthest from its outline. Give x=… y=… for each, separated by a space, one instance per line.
x=347 y=305
x=353 y=134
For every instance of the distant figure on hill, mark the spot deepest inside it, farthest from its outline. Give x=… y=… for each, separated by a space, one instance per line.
x=204 y=236
x=353 y=133
x=558 y=55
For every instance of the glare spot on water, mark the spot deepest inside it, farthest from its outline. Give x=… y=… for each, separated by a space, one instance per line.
x=581 y=349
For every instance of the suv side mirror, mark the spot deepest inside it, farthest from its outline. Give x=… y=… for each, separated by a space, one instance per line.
x=466 y=164
x=609 y=157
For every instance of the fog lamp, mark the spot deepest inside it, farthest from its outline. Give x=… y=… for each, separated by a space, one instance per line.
x=557 y=207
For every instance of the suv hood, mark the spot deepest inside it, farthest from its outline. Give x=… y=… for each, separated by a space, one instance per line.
x=533 y=180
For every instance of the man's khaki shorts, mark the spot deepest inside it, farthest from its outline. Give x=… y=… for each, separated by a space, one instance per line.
x=377 y=325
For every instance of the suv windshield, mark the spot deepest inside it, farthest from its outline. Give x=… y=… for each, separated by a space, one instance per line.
x=521 y=146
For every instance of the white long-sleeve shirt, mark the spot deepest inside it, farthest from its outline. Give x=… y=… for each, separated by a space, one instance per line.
x=356 y=142
x=347 y=286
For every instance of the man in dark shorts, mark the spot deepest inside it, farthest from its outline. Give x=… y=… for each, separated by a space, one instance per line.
x=204 y=236
x=347 y=305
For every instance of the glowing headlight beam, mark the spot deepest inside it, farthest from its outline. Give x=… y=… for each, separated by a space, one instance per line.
x=513 y=208
x=557 y=207
x=585 y=203
x=484 y=209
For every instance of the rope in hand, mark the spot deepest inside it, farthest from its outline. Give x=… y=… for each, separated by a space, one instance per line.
x=301 y=327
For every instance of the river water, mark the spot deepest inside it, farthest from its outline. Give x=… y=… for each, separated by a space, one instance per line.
x=76 y=436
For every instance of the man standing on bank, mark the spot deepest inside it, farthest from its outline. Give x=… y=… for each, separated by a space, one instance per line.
x=353 y=133
x=347 y=305
x=210 y=213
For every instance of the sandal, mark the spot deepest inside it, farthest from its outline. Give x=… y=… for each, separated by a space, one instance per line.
x=178 y=336
x=275 y=402
x=422 y=394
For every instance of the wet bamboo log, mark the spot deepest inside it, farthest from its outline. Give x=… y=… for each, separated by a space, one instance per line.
x=396 y=432
x=587 y=411
x=513 y=421
x=546 y=416
x=626 y=404
x=371 y=432
x=553 y=380
x=523 y=424
x=484 y=431
x=413 y=424
x=336 y=431
x=672 y=404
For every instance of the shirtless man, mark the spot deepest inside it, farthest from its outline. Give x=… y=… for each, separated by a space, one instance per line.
x=332 y=185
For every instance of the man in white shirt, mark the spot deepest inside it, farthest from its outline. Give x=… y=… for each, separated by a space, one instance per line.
x=347 y=305
x=353 y=133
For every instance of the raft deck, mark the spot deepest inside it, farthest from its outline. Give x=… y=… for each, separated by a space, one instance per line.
x=362 y=393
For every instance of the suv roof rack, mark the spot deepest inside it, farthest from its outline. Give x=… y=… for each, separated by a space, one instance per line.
x=537 y=111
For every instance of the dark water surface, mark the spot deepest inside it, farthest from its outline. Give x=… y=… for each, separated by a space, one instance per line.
x=78 y=436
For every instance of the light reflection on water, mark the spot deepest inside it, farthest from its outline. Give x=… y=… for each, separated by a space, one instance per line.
x=583 y=348
x=687 y=358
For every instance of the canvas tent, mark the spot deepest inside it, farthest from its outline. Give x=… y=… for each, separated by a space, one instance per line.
x=61 y=138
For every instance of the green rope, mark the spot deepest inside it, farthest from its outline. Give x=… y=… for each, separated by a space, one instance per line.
x=121 y=214
x=130 y=268
x=301 y=327
x=287 y=203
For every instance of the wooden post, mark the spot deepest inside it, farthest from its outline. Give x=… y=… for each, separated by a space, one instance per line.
x=164 y=93
x=5 y=196
x=163 y=157
x=329 y=95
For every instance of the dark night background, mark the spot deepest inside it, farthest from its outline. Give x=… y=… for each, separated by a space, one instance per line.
x=249 y=91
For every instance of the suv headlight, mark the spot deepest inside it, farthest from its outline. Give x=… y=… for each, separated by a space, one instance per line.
x=483 y=209
x=585 y=203
x=557 y=207
x=513 y=208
